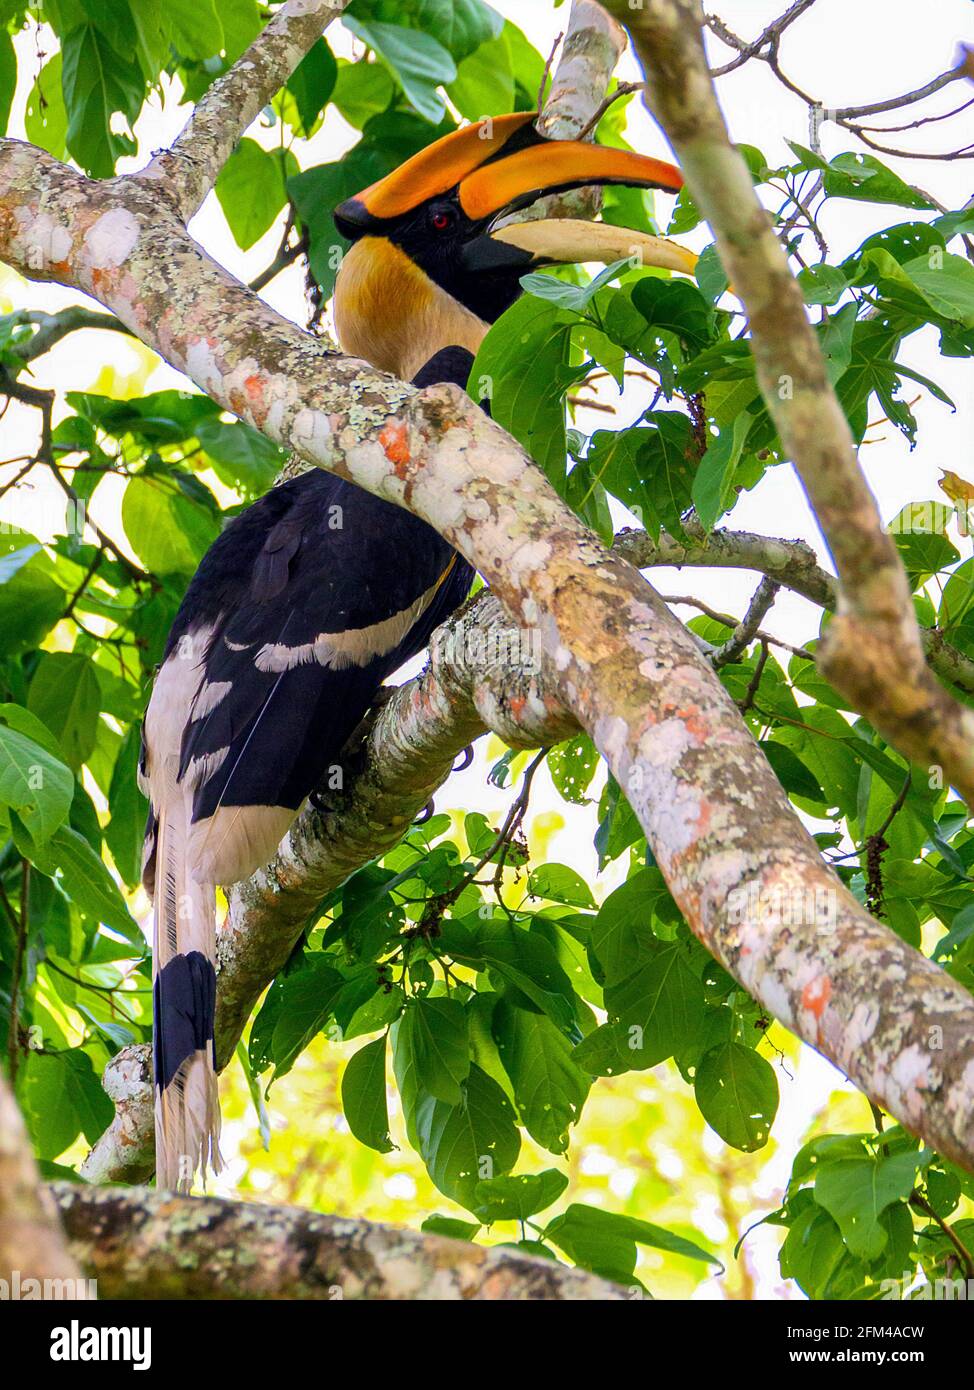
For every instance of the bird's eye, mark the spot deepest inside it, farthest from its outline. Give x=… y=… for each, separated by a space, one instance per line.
x=441 y=218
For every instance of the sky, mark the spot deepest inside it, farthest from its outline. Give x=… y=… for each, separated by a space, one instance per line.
x=845 y=53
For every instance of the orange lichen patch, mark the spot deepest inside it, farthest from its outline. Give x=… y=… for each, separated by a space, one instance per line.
x=816 y=995
x=254 y=387
x=517 y=705
x=395 y=441
x=694 y=723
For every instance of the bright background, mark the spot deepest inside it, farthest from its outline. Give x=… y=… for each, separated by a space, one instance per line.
x=642 y=1146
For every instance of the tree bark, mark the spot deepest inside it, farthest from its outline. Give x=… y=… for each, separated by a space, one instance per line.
x=141 y=1244
x=32 y=1247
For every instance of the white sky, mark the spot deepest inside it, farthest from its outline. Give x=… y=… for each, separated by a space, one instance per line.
x=844 y=52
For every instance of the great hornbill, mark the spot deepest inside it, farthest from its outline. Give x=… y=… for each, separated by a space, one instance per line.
x=311 y=597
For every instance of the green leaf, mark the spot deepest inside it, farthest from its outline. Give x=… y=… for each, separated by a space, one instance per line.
x=30 y=601
x=571 y=766
x=450 y=1226
x=8 y=78
x=303 y=1003
x=822 y=284
x=675 y=306
x=660 y=1004
x=485 y=81
x=864 y=177
x=737 y=1092
x=251 y=190
x=463 y=1144
x=517 y=1198
x=65 y=695
x=560 y=884
x=197 y=30
x=419 y=62
x=123 y=834
x=431 y=1049
x=549 y=1087
x=37 y=785
x=46 y=120
x=62 y=1098
x=791 y=772
x=946 y=283
x=168 y=531
x=856 y=1192
x=242 y=457
x=523 y=368
x=622 y=933
x=361 y=91
x=364 y=1096
x=87 y=882
x=98 y=85
x=712 y=490
x=311 y=84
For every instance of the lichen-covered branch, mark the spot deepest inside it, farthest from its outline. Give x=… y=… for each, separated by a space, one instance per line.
x=32 y=1246
x=740 y=864
x=189 y=169
x=871 y=651
x=141 y=1244
x=790 y=563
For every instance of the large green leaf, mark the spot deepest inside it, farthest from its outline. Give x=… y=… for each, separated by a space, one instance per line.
x=30 y=601
x=857 y=1191
x=87 y=882
x=46 y=119
x=197 y=30
x=737 y=1092
x=550 y=1089
x=523 y=368
x=98 y=86
x=251 y=190
x=297 y=1007
x=62 y=1098
x=66 y=696
x=463 y=1144
x=169 y=531
x=364 y=1096
x=431 y=1051
x=418 y=60
x=8 y=78
x=35 y=783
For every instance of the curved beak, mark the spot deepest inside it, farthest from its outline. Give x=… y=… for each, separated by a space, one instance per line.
x=565 y=239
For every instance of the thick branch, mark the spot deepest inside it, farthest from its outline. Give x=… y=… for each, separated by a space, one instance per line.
x=31 y=1240
x=225 y=111
x=792 y=564
x=872 y=651
x=141 y=1244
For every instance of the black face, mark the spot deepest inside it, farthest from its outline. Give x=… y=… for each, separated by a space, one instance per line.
x=456 y=253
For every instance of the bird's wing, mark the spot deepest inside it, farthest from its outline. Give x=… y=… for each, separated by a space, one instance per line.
x=298 y=613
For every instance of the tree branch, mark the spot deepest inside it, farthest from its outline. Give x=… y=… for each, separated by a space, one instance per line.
x=872 y=651
x=792 y=564
x=189 y=169
x=141 y=1244
x=31 y=1240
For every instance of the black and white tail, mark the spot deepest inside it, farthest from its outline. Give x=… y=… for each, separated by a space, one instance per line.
x=184 y=998
x=187 y=1107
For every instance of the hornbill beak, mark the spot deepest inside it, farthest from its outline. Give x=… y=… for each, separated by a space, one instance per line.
x=498 y=166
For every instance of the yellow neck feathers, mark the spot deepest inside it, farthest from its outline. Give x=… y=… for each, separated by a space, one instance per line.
x=392 y=314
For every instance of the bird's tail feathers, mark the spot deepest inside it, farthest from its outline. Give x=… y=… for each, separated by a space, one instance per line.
x=187 y=1105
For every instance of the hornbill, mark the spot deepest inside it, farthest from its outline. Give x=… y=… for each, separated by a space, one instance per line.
x=314 y=595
